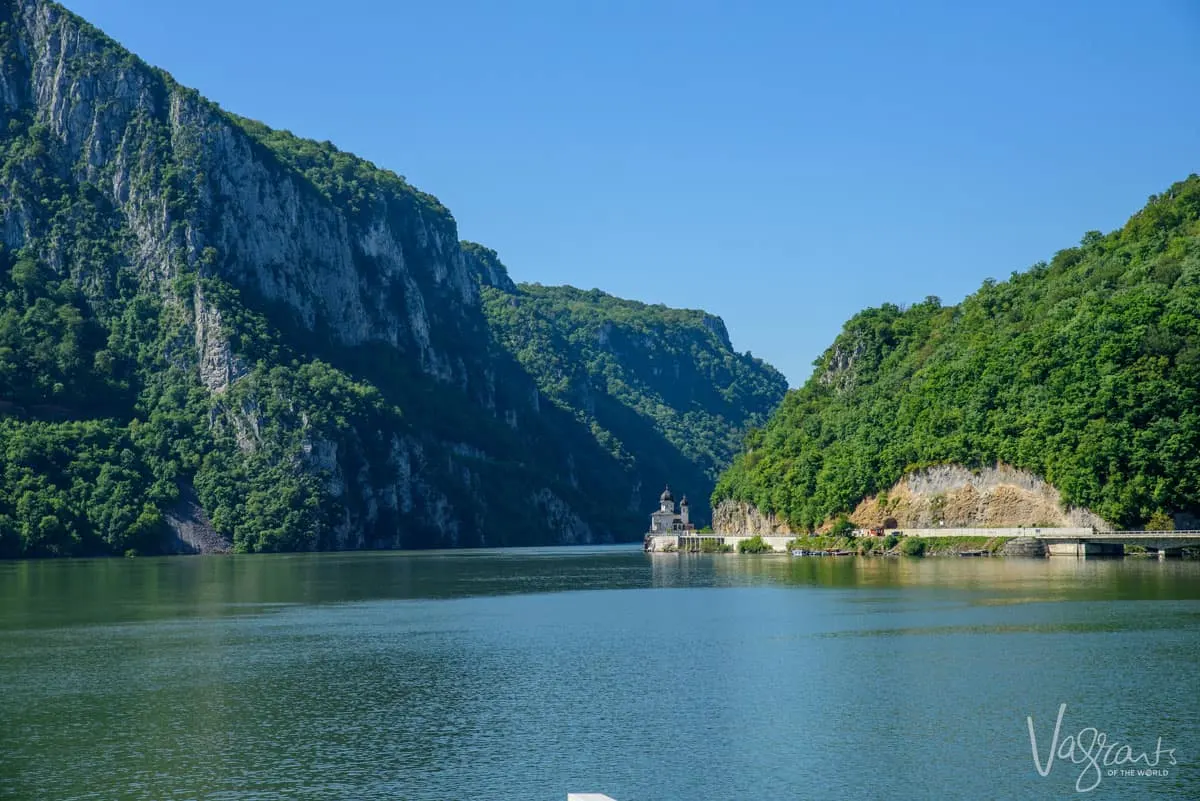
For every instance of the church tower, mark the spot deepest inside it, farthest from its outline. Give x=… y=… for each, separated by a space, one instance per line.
x=683 y=511
x=664 y=519
x=666 y=501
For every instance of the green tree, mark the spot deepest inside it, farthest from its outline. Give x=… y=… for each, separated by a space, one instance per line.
x=1084 y=371
x=754 y=545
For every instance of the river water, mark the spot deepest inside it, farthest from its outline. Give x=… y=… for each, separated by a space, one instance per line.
x=528 y=674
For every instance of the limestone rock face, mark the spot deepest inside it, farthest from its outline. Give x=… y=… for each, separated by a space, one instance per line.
x=189 y=193
x=953 y=496
x=190 y=529
x=949 y=495
x=575 y=530
x=321 y=323
x=733 y=517
x=377 y=276
x=485 y=263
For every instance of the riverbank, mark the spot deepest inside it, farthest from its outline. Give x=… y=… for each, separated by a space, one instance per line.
x=891 y=544
x=935 y=542
x=902 y=546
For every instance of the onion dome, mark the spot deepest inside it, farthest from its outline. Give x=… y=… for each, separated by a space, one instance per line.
x=684 y=501
x=666 y=496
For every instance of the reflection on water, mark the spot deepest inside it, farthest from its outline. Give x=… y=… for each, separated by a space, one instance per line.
x=527 y=674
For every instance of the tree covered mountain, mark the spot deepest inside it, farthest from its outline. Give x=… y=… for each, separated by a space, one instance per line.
x=1084 y=371
x=206 y=324
x=661 y=389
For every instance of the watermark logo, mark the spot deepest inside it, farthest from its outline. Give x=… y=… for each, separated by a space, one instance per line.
x=1099 y=756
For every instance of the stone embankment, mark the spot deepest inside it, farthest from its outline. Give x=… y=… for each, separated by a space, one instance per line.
x=1024 y=546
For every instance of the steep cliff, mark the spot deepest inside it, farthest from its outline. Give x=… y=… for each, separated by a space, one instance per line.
x=1084 y=372
x=225 y=331
x=662 y=390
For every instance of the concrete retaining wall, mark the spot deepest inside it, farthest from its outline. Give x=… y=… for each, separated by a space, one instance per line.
x=658 y=543
x=1026 y=531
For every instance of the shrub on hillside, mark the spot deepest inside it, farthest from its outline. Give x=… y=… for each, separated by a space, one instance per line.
x=754 y=545
x=842 y=528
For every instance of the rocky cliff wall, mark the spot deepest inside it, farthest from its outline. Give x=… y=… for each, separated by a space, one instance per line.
x=947 y=495
x=195 y=191
x=734 y=517
x=302 y=332
x=185 y=194
x=955 y=496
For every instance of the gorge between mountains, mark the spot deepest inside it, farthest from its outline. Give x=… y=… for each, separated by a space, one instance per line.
x=215 y=335
x=312 y=489
x=218 y=335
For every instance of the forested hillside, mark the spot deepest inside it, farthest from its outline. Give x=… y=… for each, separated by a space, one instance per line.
x=661 y=389
x=207 y=325
x=1085 y=371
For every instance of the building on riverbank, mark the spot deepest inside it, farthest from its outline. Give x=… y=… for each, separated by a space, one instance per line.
x=666 y=520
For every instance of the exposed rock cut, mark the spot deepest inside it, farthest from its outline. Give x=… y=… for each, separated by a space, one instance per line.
x=954 y=496
x=732 y=517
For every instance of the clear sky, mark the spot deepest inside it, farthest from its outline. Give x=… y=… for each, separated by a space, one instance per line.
x=781 y=164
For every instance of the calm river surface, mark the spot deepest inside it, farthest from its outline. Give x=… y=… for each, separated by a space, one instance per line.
x=529 y=674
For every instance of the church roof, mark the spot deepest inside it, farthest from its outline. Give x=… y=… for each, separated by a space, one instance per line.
x=666 y=494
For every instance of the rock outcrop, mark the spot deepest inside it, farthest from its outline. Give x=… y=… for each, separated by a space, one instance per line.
x=954 y=496
x=190 y=530
x=302 y=331
x=733 y=517
x=948 y=496
x=1083 y=371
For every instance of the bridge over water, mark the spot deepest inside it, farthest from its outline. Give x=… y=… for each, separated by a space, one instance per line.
x=1114 y=542
x=1058 y=541
x=1075 y=541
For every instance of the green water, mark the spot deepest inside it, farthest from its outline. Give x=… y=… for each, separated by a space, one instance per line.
x=531 y=674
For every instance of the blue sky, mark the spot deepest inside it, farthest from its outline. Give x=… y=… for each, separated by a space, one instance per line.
x=781 y=164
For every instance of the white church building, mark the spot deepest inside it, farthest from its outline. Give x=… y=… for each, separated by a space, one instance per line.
x=666 y=519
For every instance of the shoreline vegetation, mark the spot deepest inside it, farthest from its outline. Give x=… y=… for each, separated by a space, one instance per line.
x=890 y=545
x=893 y=545
x=1082 y=372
